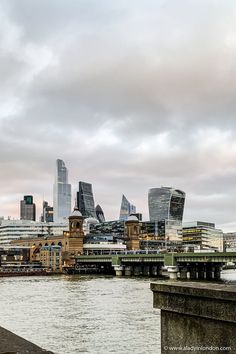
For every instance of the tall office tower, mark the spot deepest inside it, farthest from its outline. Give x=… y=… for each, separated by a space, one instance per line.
x=126 y=208
x=47 y=215
x=85 y=200
x=61 y=193
x=99 y=214
x=27 y=208
x=166 y=203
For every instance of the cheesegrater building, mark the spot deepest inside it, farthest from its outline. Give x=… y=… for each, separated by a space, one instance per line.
x=85 y=200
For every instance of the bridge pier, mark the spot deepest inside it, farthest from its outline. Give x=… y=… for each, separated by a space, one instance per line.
x=137 y=270
x=199 y=271
x=209 y=269
x=193 y=273
x=146 y=270
x=119 y=270
x=172 y=272
x=128 y=271
x=217 y=272
x=182 y=274
x=154 y=270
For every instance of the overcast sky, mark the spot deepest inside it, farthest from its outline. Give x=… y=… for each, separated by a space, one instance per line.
x=130 y=94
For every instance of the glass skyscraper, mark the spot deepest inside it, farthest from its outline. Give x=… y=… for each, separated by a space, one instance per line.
x=85 y=200
x=126 y=208
x=61 y=193
x=166 y=203
x=99 y=213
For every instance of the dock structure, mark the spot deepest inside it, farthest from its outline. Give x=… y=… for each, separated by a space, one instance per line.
x=10 y=343
x=196 y=317
x=196 y=266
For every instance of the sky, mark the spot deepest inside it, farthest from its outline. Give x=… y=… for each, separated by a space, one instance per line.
x=130 y=94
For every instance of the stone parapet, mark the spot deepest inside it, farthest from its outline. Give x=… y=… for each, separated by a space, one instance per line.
x=13 y=344
x=196 y=316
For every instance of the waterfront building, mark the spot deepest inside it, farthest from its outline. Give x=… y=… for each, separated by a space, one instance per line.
x=99 y=213
x=229 y=241
x=199 y=235
x=61 y=192
x=27 y=208
x=85 y=200
x=51 y=257
x=166 y=203
x=126 y=208
x=14 y=255
x=47 y=215
x=21 y=229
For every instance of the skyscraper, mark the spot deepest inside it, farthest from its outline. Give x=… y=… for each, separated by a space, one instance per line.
x=99 y=213
x=126 y=208
x=61 y=192
x=27 y=208
x=47 y=215
x=85 y=200
x=166 y=203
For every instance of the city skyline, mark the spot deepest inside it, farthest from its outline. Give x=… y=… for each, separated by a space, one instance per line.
x=131 y=95
x=62 y=176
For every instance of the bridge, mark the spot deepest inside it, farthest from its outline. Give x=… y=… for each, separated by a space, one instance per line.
x=174 y=265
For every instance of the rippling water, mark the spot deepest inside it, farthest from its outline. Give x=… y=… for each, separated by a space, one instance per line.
x=82 y=314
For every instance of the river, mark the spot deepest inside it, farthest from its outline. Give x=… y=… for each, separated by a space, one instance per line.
x=84 y=314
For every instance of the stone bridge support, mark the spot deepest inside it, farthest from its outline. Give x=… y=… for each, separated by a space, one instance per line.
x=196 y=317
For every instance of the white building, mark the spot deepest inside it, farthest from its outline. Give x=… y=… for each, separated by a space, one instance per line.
x=17 y=229
x=230 y=241
x=202 y=236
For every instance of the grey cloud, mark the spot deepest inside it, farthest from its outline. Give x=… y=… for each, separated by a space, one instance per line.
x=131 y=95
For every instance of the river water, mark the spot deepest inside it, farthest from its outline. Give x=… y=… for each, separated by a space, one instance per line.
x=84 y=314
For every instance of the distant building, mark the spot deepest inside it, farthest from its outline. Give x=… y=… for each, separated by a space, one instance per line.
x=47 y=215
x=229 y=241
x=199 y=235
x=27 y=208
x=51 y=257
x=88 y=224
x=126 y=208
x=99 y=214
x=115 y=228
x=18 y=229
x=166 y=203
x=61 y=193
x=85 y=200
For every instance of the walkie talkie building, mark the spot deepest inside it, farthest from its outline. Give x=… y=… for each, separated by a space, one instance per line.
x=166 y=203
x=166 y=208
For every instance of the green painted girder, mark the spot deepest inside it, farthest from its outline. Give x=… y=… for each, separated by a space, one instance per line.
x=168 y=259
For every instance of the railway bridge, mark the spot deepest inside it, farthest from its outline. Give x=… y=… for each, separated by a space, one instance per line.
x=173 y=265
